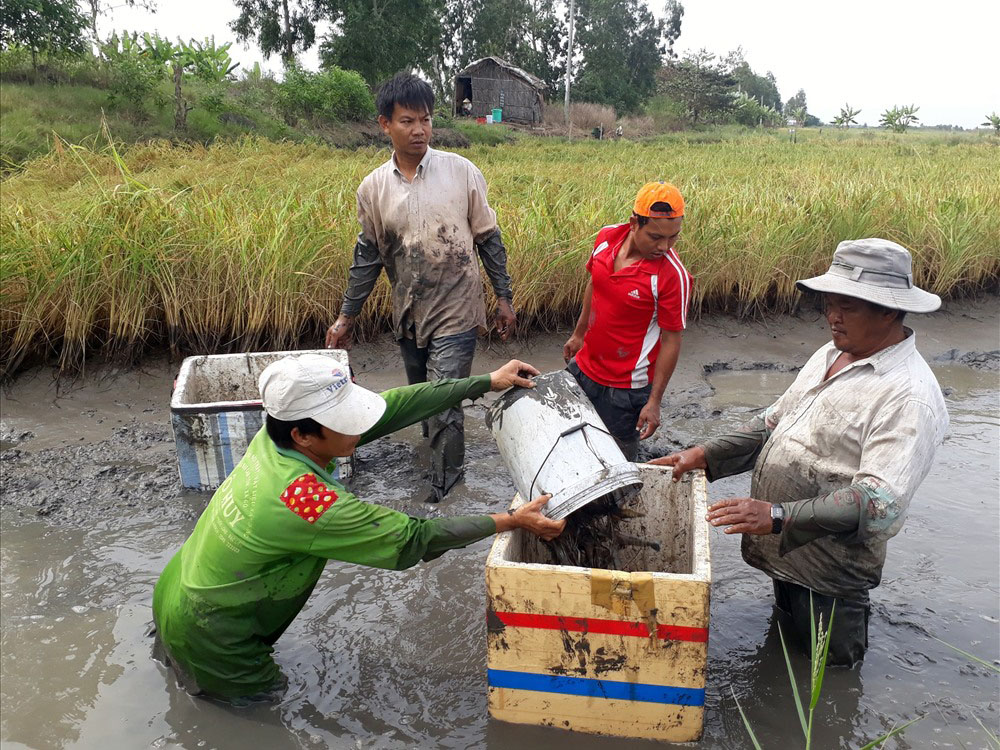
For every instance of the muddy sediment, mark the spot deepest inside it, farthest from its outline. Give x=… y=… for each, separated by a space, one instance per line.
x=92 y=510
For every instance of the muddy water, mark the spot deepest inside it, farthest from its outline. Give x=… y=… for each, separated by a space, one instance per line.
x=397 y=660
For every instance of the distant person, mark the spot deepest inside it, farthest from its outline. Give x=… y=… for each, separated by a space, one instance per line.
x=261 y=545
x=425 y=218
x=837 y=458
x=628 y=337
x=466 y=107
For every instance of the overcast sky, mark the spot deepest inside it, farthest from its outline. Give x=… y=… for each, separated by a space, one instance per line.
x=872 y=54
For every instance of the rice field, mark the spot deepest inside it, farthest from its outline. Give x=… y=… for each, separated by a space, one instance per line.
x=246 y=245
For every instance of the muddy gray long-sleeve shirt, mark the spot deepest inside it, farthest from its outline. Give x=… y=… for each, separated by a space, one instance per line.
x=426 y=233
x=843 y=456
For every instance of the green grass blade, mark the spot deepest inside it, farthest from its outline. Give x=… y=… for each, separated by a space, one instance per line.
x=892 y=733
x=994 y=740
x=795 y=688
x=819 y=669
x=746 y=721
x=970 y=657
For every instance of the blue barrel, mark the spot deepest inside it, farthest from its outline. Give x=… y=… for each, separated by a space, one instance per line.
x=497 y=115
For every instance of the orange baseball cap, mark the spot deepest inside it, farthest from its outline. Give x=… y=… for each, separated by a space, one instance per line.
x=659 y=192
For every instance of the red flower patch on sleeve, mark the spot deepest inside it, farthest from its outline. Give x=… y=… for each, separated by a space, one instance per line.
x=308 y=498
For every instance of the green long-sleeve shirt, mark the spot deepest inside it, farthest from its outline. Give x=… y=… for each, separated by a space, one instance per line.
x=260 y=546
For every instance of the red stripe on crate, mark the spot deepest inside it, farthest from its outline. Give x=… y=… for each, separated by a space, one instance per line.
x=606 y=627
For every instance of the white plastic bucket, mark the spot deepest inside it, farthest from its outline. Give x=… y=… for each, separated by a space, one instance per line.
x=552 y=441
x=489 y=119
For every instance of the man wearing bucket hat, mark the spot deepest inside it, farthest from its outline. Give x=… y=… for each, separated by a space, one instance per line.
x=837 y=458
x=628 y=337
x=260 y=546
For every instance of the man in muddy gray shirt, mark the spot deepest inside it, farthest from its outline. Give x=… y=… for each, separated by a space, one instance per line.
x=424 y=216
x=838 y=456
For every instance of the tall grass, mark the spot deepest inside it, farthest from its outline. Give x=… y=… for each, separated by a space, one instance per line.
x=247 y=244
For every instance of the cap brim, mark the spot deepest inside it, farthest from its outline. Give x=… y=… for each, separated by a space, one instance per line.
x=356 y=413
x=913 y=300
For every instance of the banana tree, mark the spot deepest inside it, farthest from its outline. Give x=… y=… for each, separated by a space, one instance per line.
x=898 y=119
x=205 y=60
x=993 y=121
x=847 y=117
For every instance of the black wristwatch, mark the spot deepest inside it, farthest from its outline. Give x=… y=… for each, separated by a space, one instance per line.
x=777 y=518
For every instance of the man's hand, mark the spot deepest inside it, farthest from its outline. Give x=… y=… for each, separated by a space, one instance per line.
x=649 y=419
x=514 y=372
x=506 y=318
x=573 y=344
x=742 y=515
x=683 y=462
x=338 y=336
x=530 y=518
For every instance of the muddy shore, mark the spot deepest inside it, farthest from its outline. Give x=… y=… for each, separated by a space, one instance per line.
x=91 y=511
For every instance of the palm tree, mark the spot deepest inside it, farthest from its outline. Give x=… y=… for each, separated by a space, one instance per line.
x=847 y=117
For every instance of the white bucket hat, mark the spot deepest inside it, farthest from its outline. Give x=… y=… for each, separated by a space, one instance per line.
x=320 y=388
x=874 y=270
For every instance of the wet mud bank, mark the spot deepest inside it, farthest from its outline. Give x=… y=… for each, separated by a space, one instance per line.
x=92 y=509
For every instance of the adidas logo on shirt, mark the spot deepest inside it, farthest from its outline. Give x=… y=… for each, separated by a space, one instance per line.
x=634 y=293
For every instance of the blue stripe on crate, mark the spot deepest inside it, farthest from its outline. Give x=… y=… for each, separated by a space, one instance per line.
x=226 y=443
x=626 y=691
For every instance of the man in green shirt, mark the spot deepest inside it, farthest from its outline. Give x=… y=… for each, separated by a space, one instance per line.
x=260 y=546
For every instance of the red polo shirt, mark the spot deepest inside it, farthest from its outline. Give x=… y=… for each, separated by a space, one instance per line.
x=628 y=309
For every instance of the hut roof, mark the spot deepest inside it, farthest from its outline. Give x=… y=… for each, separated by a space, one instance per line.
x=534 y=81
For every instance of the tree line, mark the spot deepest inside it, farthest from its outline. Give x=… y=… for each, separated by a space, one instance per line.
x=623 y=55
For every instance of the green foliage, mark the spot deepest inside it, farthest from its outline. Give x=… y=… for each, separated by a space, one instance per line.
x=993 y=121
x=377 y=38
x=42 y=26
x=750 y=112
x=622 y=45
x=132 y=73
x=281 y=27
x=764 y=89
x=797 y=102
x=847 y=117
x=702 y=85
x=668 y=114
x=898 y=119
x=333 y=94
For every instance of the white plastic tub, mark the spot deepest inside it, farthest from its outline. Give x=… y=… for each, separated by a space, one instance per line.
x=216 y=410
x=552 y=441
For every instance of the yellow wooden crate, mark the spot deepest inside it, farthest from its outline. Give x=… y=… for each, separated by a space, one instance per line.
x=607 y=652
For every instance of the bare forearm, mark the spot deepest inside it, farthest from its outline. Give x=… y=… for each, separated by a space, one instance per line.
x=583 y=322
x=666 y=362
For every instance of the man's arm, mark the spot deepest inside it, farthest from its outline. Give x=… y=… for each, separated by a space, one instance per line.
x=494 y=257
x=379 y=537
x=575 y=342
x=725 y=455
x=895 y=459
x=666 y=361
x=361 y=279
x=412 y=403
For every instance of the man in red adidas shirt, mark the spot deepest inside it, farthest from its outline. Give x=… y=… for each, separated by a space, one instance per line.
x=628 y=337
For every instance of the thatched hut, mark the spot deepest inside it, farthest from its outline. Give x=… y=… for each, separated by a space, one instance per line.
x=492 y=83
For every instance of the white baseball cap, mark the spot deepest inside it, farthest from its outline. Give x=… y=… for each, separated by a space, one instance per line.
x=320 y=388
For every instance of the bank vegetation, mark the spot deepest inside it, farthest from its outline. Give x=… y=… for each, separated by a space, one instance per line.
x=245 y=245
